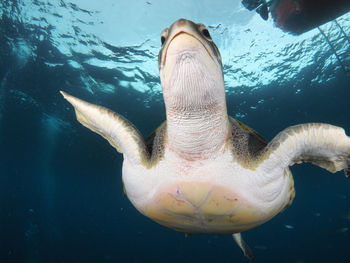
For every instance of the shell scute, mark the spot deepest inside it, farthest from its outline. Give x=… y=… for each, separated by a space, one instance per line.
x=202 y=207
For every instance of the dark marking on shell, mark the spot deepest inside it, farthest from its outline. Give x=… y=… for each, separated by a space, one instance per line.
x=347 y=167
x=155 y=144
x=245 y=143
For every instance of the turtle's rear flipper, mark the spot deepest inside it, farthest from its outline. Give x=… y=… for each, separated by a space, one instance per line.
x=245 y=248
x=119 y=132
x=324 y=145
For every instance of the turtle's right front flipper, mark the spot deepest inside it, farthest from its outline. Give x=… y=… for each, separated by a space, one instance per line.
x=324 y=145
x=119 y=132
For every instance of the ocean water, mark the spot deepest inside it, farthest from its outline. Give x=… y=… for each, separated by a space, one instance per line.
x=61 y=196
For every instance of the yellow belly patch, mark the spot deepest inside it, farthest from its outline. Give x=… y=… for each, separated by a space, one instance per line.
x=198 y=207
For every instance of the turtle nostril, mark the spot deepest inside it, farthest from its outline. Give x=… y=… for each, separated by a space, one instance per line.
x=181 y=22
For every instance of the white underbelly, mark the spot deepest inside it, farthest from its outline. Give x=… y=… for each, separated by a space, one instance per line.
x=216 y=196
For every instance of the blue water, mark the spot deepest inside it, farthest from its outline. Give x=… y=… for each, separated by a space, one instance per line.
x=61 y=196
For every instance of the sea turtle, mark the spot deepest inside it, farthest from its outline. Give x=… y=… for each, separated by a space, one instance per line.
x=202 y=171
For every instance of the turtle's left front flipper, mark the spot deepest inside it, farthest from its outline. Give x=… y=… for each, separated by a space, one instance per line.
x=324 y=145
x=119 y=132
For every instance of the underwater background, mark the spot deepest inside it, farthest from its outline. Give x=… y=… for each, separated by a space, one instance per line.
x=61 y=194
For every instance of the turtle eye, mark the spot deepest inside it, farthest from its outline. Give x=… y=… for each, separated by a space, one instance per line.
x=164 y=35
x=162 y=39
x=205 y=33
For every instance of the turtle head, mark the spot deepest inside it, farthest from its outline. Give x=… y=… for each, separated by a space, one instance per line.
x=190 y=67
x=193 y=89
